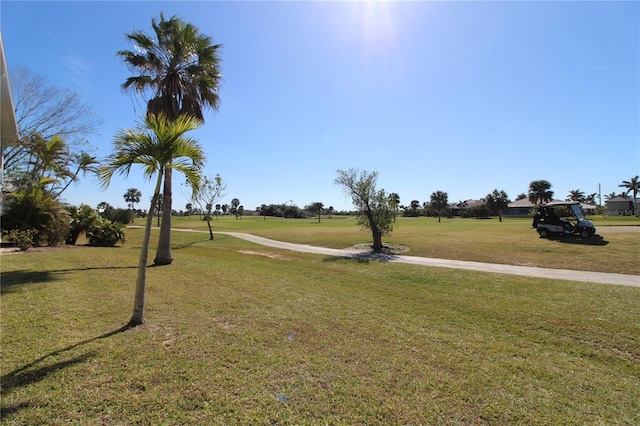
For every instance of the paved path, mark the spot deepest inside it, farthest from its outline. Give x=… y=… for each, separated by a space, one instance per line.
x=527 y=271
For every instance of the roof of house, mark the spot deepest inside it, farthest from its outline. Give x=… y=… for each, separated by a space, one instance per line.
x=618 y=200
x=8 y=126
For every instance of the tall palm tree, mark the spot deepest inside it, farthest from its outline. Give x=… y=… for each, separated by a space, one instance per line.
x=540 y=191
x=497 y=201
x=439 y=202
x=159 y=146
x=132 y=196
x=181 y=68
x=632 y=185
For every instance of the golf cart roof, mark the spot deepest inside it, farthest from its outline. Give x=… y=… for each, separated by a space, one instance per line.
x=560 y=203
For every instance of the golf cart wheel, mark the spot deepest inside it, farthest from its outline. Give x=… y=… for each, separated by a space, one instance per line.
x=544 y=233
x=585 y=233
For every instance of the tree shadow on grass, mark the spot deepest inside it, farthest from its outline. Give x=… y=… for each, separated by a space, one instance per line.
x=594 y=240
x=32 y=373
x=363 y=257
x=13 y=279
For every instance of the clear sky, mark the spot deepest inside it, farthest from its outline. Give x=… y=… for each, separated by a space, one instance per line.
x=463 y=97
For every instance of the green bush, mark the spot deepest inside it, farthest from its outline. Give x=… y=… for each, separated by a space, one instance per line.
x=22 y=239
x=124 y=216
x=106 y=234
x=39 y=212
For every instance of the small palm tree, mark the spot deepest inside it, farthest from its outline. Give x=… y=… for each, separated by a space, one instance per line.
x=497 y=201
x=439 y=202
x=576 y=195
x=632 y=185
x=610 y=196
x=82 y=219
x=540 y=191
x=132 y=196
x=394 y=200
x=160 y=145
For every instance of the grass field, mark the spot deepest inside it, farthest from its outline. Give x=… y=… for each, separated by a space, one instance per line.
x=512 y=241
x=241 y=334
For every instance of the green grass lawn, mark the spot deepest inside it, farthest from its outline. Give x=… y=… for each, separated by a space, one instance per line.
x=242 y=334
x=512 y=241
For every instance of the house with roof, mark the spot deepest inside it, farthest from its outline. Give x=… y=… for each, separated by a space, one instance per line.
x=620 y=206
x=519 y=207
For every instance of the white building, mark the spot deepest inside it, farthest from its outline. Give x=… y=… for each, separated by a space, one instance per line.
x=8 y=126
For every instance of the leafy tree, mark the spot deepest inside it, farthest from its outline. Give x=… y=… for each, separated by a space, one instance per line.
x=211 y=190
x=632 y=185
x=123 y=216
x=373 y=207
x=161 y=144
x=497 y=201
x=540 y=191
x=439 y=202
x=132 y=197
x=181 y=68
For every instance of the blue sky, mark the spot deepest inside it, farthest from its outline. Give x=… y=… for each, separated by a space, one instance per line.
x=462 y=97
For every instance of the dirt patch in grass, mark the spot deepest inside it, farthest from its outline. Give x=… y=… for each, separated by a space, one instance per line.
x=270 y=255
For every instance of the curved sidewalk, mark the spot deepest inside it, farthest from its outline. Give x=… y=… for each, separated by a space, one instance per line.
x=527 y=271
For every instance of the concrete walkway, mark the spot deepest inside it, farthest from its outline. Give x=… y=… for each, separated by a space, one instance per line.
x=527 y=271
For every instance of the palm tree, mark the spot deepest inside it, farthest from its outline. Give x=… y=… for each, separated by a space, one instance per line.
x=157 y=147
x=85 y=163
x=82 y=219
x=439 y=202
x=181 y=68
x=394 y=200
x=497 y=201
x=575 y=195
x=610 y=196
x=632 y=185
x=540 y=191
x=132 y=196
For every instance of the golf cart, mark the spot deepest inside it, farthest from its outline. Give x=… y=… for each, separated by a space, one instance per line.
x=562 y=218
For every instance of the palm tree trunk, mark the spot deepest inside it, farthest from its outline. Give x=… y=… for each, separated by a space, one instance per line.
x=137 y=318
x=163 y=253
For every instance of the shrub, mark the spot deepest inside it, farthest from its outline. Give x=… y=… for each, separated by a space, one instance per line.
x=39 y=212
x=22 y=239
x=123 y=216
x=106 y=234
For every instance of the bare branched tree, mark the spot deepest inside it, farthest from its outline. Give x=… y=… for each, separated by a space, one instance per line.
x=48 y=111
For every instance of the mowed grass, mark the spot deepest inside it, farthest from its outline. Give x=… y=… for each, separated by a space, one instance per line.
x=512 y=241
x=241 y=334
